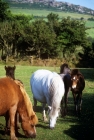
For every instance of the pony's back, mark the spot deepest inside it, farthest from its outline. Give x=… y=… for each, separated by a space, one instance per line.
x=8 y=94
x=42 y=82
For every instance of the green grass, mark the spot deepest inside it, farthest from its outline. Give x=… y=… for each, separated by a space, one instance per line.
x=89 y=24
x=90 y=32
x=44 y=13
x=70 y=127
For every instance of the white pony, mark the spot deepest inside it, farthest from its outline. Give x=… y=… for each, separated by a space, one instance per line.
x=48 y=87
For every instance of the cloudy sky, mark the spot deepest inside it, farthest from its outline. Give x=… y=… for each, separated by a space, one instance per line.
x=85 y=3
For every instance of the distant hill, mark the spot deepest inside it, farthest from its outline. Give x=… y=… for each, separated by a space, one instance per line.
x=50 y=5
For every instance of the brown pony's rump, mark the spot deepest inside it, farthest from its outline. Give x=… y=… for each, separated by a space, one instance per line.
x=12 y=99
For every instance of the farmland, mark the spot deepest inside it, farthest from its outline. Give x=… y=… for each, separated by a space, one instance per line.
x=70 y=127
x=44 y=13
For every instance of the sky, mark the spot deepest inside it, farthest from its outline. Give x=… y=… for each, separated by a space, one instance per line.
x=85 y=3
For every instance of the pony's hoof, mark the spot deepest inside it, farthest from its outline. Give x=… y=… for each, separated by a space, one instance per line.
x=18 y=126
x=14 y=138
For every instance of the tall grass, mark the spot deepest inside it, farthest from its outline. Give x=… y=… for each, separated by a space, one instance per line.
x=70 y=127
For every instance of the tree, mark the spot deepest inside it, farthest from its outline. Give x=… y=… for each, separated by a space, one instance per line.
x=42 y=38
x=53 y=22
x=87 y=57
x=9 y=35
x=4 y=11
x=71 y=35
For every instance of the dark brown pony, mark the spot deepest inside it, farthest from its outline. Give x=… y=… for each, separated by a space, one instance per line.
x=65 y=74
x=10 y=71
x=78 y=85
x=13 y=98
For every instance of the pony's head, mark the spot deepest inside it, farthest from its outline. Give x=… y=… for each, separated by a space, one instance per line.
x=28 y=126
x=64 y=68
x=56 y=90
x=10 y=71
x=28 y=116
x=53 y=115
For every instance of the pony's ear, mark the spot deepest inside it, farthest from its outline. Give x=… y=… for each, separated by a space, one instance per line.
x=14 y=67
x=34 y=119
x=5 y=67
x=23 y=118
x=49 y=107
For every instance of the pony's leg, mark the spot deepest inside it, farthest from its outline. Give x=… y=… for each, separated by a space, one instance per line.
x=74 y=97
x=17 y=123
x=66 y=98
x=18 y=120
x=68 y=93
x=64 y=109
x=79 y=103
x=65 y=101
x=7 y=120
x=12 y=113
x=35 y=103
x=44 y=113
x=75 y=101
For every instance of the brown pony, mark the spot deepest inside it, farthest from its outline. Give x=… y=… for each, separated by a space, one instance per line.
x=13 y=98
x=77 y=87
x=10 y=72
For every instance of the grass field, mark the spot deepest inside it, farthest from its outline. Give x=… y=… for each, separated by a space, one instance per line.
x=91 y=30
x=70 y=127
x=44 y=13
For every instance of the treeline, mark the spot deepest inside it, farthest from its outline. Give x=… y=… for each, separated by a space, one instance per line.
x=21 y=36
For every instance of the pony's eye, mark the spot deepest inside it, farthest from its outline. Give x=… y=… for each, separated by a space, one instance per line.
x=32 y=125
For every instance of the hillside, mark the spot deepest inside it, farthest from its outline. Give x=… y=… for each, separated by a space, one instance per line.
x=50 y=5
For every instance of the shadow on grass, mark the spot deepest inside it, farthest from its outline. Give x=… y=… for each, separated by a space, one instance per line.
x=84 y=125
x=3 y=136
x=88 y=74
x=43 y=126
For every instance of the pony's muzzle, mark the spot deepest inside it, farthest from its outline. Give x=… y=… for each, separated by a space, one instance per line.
x=51 y=128
x=33 y=136
x=30 y=135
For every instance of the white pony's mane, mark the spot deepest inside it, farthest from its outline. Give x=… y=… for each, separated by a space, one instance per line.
x=54 y=92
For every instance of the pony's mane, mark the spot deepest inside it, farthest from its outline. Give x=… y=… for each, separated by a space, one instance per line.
x=26 y=98
x=62 y=67
x=54 y=94
x=75 y=72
